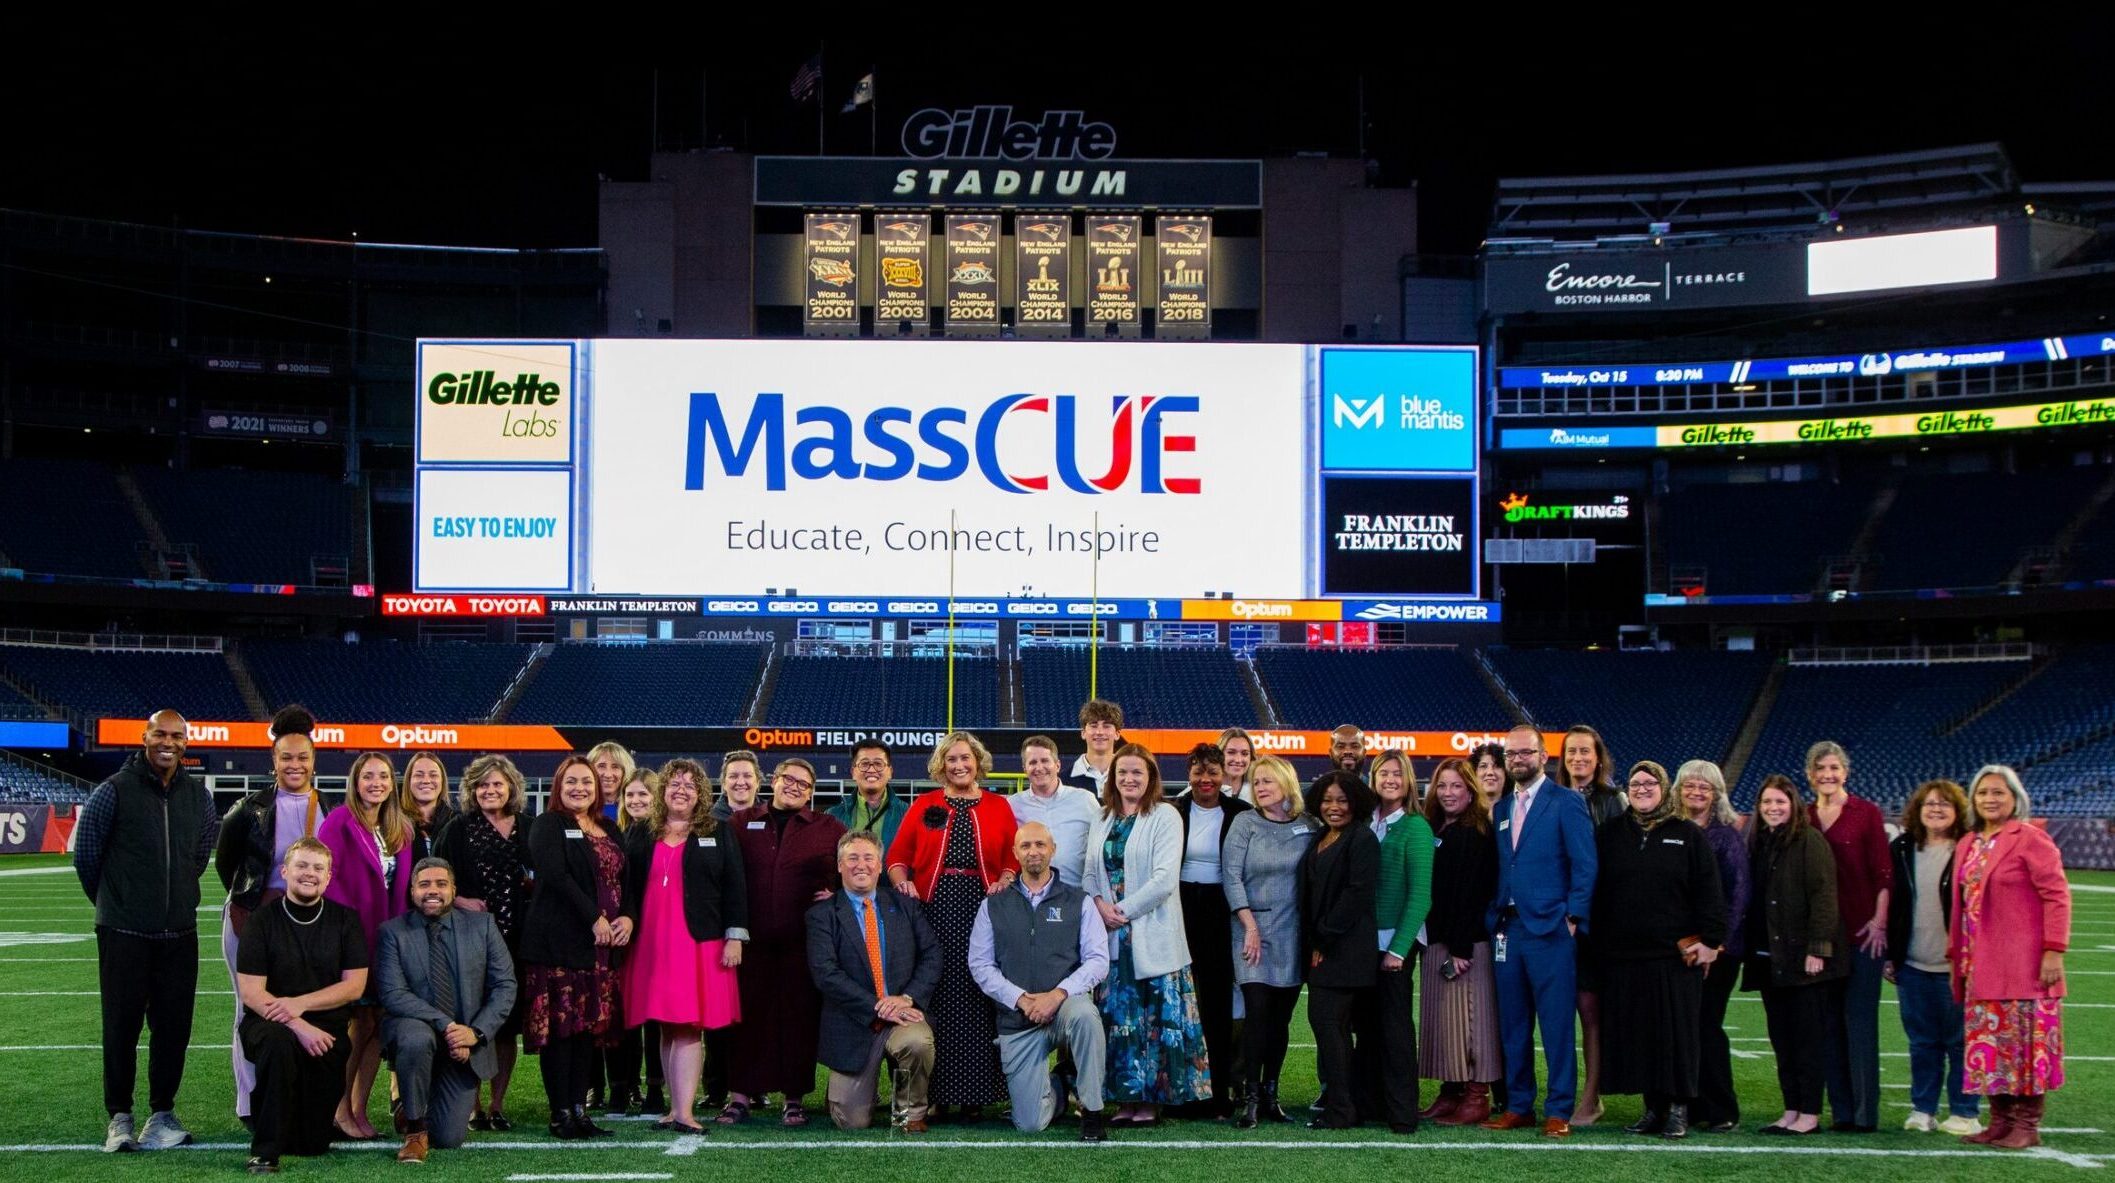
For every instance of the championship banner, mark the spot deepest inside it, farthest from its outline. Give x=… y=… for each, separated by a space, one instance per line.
x=973 y=272
x=359 y=737
x=831 y=263
x=1112 y=269
x=1185 y=249
x=1043 y=273
x=902 y=244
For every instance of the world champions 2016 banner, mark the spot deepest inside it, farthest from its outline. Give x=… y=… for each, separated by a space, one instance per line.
x=912 y=468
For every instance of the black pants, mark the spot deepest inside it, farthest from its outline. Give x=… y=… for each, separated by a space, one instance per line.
x=1266 y=1031
x=568 y=1065
x=297 y=1094
x=1715 y=1099
x=152 y=981
x=1384 y=1024
x=638 y=1047
x=1799 y=1018
x=1329 y=1016
x=1207 y=922
x=719 y=1052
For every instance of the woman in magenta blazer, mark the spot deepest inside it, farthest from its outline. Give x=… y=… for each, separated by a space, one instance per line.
x=370 y=846
x=2011 y=925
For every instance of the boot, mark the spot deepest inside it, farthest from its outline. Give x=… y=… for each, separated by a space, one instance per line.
x=562 y=1125
x=1677 y=1121
x=1268 y=1108
x=1652 y=1123
x=2026 y=1124
x=585 y=1127
x=1475 y=1106
x=1448 y=1100
x=1245 y=1117
x=2000 y=1123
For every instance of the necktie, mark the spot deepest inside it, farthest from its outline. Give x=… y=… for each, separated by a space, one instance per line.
x=1520 y=808
x=873 y=927
x=440 y=970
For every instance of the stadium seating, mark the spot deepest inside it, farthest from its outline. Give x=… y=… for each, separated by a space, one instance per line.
x=1667 y=707
x=253 y=527
x=1763 y=538
x=384 y=681
x=1406 y=689
x=1919 y=543
x=1176 y=686
x=127 y=683
x=14 y=706
x=68 y=517
x=24 y=784
x=649 y=685
x=883 y=692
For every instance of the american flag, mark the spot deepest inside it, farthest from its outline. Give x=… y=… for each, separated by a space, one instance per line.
x=807 y=79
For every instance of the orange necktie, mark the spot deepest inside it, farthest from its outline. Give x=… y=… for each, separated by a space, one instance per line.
x=873 y=927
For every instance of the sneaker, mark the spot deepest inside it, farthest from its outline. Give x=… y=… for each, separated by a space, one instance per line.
x=117 y=1138
x=1964 y=1126
x=1920 y=1123
x=260 y=1165
x=164 y=1132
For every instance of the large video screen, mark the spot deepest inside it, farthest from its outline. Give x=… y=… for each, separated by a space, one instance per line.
x=1001 y=469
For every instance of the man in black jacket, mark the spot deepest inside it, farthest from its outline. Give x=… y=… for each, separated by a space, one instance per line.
x=144 y=838
x=877 y=963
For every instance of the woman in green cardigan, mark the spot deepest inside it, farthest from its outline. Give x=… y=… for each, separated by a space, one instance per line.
x=1385 y=1024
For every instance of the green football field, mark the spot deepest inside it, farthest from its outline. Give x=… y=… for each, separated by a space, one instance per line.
x=51 y=1119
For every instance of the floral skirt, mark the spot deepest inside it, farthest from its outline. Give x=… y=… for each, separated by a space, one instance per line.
x=2015 y=1048
x=1156 y=1042
x=559 y=1003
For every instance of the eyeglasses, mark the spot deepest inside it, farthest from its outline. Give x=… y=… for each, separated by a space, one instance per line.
x=870 y=764
x=1521 y=753
x=1644 y=782
x=787 y=782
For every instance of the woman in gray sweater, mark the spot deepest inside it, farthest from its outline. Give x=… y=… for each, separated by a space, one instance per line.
x=1260 y=866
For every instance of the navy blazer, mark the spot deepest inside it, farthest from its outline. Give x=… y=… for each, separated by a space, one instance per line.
x=485 y=986
x=837 y=957
x=1550 y=875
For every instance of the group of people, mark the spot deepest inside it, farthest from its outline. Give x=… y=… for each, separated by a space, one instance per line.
x=1086 y=941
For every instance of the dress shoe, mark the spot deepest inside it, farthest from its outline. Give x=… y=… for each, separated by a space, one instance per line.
x=1324 y=1122
x=1093 y=1128
x=1510 y=1120
x=1651 y=1123
x=1717 y=1127
x=414 y=1150
x=1556 y=1127
x=586 y=1125
x=260 y=1165
x=1677 y=1123
x=915 y=1125
x=498 y=1123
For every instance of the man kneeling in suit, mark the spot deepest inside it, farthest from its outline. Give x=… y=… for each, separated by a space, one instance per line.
x=446 y=984
x=877 y=962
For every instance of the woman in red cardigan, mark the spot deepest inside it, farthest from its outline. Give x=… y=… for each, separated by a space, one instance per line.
x=2011 y=925
x=954 y=848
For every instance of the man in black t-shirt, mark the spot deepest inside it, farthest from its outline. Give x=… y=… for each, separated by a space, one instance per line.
x=301 y=964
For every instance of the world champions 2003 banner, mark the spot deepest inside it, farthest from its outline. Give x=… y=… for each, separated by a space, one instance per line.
x=912 y=468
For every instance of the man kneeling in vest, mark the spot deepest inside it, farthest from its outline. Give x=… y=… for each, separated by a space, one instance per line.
x=1038 y=950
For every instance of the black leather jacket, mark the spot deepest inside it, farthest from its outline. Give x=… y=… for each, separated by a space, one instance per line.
x=243 y=857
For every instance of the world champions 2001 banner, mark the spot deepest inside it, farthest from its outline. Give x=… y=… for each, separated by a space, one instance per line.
x=909 y=468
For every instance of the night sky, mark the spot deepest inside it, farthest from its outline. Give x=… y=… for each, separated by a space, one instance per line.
x=498 y=139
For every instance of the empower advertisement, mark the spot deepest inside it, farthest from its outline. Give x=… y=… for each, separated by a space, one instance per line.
x=831 y=265
x=1043 y=271
x=763 y=468
x=1112 y=269
x=1184 y=247
x=902 y=243
x=973 y=272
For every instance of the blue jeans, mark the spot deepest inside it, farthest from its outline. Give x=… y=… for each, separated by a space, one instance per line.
x=1932 y=1021
x=1854 y=1060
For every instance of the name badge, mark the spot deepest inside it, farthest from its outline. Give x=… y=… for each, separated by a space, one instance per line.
x=575 y=834
x=708 y=841
x=1672 y=842
x=1505 y=825
x=756 y=825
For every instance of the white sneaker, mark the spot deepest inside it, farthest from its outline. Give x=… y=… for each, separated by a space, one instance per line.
x=164 y=1132
x=1963 y=1126
x=117 y=1138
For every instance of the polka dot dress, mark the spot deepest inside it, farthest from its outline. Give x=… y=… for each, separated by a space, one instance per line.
x=965 y=1060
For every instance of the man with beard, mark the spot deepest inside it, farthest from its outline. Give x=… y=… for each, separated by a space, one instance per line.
x=301 y=965
x=447 y=984
x=145 y=836
x=1347 y=748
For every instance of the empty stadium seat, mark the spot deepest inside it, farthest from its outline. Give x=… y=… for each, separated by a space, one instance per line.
x=384 y=681
x=127 y=683
x=872 y=691
x=253 y=527
x=1404 y=689
x=648 y=685
x=1754 y=539
x=68 y=517
x=1666 y=707
x=1175 y=686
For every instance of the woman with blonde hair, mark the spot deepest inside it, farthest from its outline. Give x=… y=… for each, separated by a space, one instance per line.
x=1260 y=868
x=1458 y=1043
x=370 y=846
x=1700 y=787
x=621 y=1064
x=488 y=845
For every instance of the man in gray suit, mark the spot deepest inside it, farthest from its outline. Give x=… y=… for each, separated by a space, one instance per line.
x=446 y=983
x=873 y=1006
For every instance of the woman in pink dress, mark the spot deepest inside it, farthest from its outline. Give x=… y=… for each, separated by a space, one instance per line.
x=2011 y=925
x=685 y=887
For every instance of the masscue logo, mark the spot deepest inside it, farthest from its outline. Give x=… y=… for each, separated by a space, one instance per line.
x=495 y=402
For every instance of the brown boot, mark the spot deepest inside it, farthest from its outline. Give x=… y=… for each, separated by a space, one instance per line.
x=2000 y=1123
x=2026 y=1124
x=1475 y=1106
x=1448 y=1100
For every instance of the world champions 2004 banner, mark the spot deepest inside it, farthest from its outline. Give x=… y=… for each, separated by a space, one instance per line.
x=912 y=468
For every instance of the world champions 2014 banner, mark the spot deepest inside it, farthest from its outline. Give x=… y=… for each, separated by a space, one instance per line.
x=1016 y=469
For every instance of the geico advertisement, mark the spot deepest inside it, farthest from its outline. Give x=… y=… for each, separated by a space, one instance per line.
x=503 y=402
x=834 y=467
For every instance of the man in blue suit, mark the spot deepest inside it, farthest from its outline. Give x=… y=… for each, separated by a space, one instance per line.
x=877 y=963
x=1546 y=868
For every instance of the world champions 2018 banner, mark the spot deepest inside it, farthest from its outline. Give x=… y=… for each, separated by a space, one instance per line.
x=912 y=468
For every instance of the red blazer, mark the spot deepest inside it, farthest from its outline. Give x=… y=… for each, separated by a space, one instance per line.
x=920 y=845
x=2026 y=912
x=784 y=874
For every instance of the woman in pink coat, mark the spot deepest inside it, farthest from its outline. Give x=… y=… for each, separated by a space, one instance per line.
x=370 y=846
x=2011 y=925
